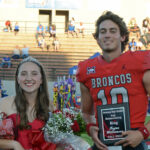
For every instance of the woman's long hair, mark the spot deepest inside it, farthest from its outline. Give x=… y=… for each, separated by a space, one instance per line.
x=42 y=104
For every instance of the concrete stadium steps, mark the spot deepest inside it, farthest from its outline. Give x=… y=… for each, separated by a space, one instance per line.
x=62 y=49
x=52 y=73
x=52 y=69
x=8 y=41
x=4 y=36
x=72 y=51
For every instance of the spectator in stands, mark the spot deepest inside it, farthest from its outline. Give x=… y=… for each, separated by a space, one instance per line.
x=133 y=45
x=16 y=28
x=40 y=31
x=73 y=22
x=25 y=51
x=71 y=29
x=6 y=62
x=132 y=22
x=16 y=52
x=145 y=25
x=52 y=31
x=134 y=28
x=80 y=29
x=140 y=45
x=46 y=29
x=56 y=44
x=3 y=92
x=48 y=47
x=8 y=26
x=41 y=42
x=145 y=39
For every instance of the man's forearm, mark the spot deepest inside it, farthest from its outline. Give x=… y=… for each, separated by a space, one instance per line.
x=88 y=118
x=147 y=125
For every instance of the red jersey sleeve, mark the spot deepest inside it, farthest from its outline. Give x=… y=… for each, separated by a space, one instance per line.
x=143 y=59
x=81 y=72
x=146 y=63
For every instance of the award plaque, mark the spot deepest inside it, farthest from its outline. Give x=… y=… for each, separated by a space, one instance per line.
x=113 y=119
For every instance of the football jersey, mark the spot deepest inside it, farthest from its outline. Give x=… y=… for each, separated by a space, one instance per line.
x=118 y=81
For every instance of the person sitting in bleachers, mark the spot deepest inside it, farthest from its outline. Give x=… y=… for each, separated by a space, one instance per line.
x=133 y=45
x=40 y=31
x=140 y=45
x=80 y=29
x=6 y=62
x=41 y=42
x=71 y=29
x=3 y=92
x=16 y=52
x=16 y=28
x=145 y=39
x=46 y=29
x=134 y=28
x=8 y=26
x=25 y=51
x=52 y=31
x=56 y=44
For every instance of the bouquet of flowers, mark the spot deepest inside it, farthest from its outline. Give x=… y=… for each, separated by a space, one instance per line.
x=6 y=127
x=58 y=127
x=78 y=125
x=62 y=128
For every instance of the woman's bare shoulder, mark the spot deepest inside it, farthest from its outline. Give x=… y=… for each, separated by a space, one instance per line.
x=6 y=104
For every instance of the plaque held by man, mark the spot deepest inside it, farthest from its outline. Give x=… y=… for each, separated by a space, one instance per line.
x=113 y=119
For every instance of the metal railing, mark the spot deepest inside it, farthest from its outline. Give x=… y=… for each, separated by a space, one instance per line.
x=30 y=26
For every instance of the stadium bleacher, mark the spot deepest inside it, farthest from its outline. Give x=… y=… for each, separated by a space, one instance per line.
x=72 y=50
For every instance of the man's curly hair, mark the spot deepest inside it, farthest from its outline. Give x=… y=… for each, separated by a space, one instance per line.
x=108 y=15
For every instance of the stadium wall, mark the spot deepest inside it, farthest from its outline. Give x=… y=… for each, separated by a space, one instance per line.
x=85 y=10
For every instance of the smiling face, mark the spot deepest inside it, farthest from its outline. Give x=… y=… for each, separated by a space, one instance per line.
x=109 y=38
x=29 y=77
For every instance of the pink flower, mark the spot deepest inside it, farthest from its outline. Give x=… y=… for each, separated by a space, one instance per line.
x=57 y=111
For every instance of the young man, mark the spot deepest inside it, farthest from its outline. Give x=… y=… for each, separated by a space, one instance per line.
x=115 y=77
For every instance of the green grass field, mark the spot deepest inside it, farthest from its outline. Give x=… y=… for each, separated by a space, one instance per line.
x=89 y=140
x=147 y=119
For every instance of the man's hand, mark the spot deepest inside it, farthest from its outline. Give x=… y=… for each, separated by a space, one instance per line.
x=94 y=134
x=132 y=138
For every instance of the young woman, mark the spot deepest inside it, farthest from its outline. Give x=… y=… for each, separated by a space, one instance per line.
x=29 y=109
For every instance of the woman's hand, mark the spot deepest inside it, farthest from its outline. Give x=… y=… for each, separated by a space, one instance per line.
x=60 y=147
x=94 y=134
x=17 y=146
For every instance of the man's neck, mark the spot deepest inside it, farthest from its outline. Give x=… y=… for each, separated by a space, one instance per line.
x=109 y=56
